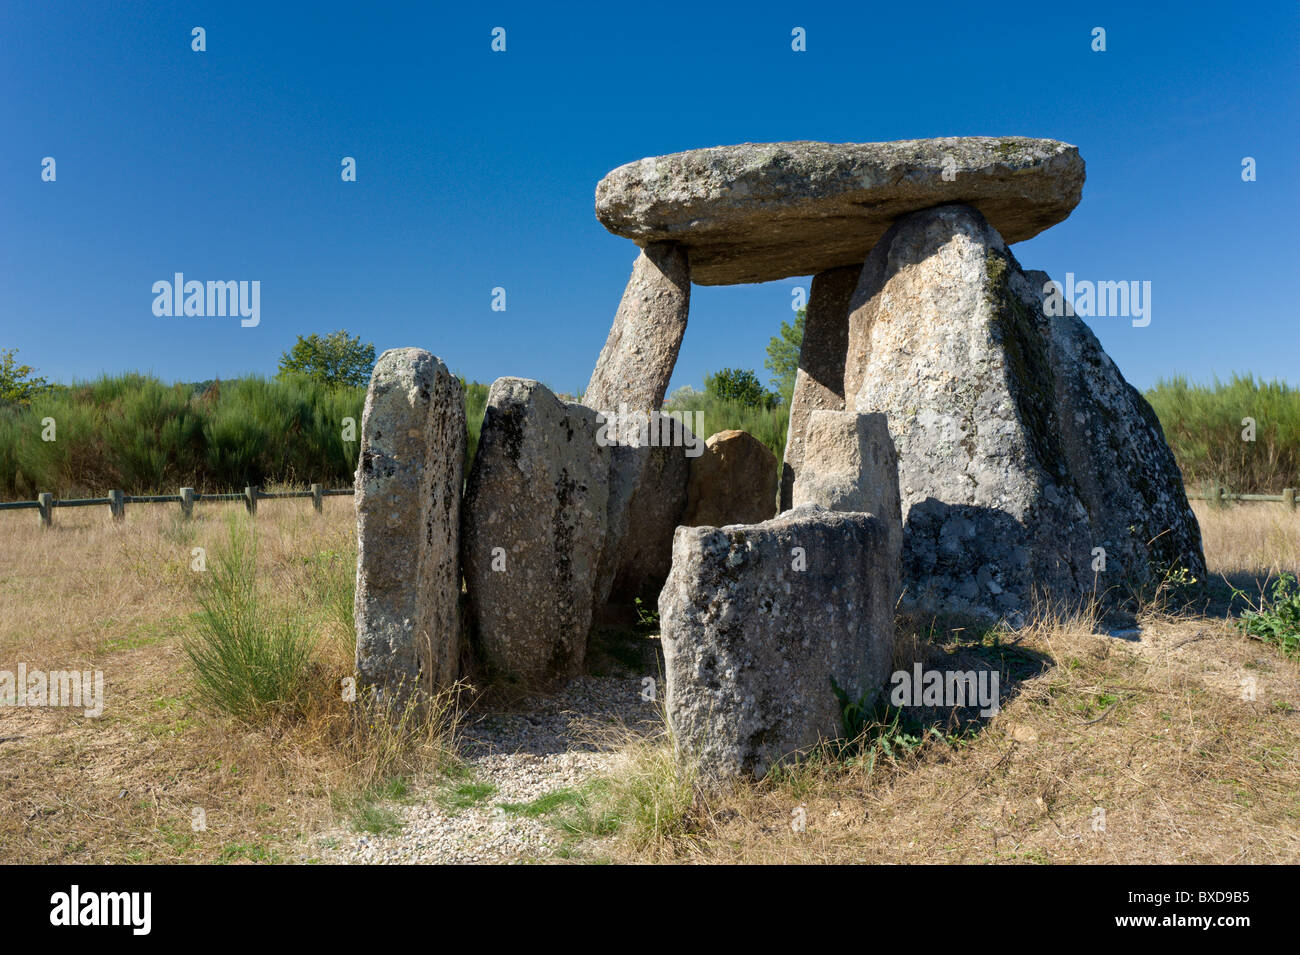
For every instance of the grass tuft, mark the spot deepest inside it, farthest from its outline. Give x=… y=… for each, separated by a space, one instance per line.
x=249 y=660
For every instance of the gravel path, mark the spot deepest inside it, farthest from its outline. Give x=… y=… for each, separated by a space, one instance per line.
x=539 y=746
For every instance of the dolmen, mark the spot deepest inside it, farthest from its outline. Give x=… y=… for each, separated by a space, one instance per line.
x=957 y=446
x=1023 y=454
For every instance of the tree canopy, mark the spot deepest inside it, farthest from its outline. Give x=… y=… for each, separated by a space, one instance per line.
x=336 y=359
x=783 y=356
x=18 y=384
x=741 y=385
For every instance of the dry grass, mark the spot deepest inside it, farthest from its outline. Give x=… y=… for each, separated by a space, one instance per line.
x=89 y=594
x=1107 y=751
x=1155 y=734
x=1249 y=539
x=1160 y=741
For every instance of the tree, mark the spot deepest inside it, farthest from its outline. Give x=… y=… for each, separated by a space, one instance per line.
x=783 y=356
x=737 y=384
x=17 y=383
x=336 y=359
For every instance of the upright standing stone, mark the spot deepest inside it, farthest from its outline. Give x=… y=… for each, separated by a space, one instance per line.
x=850 y=464
x=948 y=340
x=535 y=526
x=408 y=488
x=638 y=358
x=733 y=482
x=819 y=382
x=760 y=624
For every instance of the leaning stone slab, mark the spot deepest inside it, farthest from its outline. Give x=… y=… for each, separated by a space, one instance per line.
x=763 y=211
x=758 y=620
x=408 y=488
x=535 y=519
x=636 y=364
x=733 y=482
x=819 y=382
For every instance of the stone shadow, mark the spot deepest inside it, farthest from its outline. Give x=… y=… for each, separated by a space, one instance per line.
x=1228 y=595
x=952 y=646
x=976 y=562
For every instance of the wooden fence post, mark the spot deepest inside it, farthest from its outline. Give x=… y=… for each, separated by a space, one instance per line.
x=317 y=496
x=250 y=499
x=117 y=504
x=45 y=505
x=1288 y=497
x=187 y=502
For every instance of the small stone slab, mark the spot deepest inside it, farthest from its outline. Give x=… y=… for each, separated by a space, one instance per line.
x=764 y=211
x=761 y=622
x=733 y=482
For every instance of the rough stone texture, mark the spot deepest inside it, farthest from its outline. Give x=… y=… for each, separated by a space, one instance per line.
x=637 y=361
x=626 y=465
x=1115 y=450
x=763 y=211
x=819 y=382
x=539 y=489
x=1004 y=491
x=751 y=644
x=644 y=554
x=733 y=482
x=850 y=465
x=407 y=604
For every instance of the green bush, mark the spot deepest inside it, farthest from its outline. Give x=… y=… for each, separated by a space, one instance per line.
x=476 y=395
x=1203 y=425
x=1276 y=619
x=135 y=433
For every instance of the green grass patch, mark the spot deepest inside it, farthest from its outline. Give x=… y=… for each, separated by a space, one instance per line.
x=249 y=852
x=546 y=804
x=461 y=796
x=145 y=635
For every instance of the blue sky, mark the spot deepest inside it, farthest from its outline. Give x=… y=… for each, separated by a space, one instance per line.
x=477 y=169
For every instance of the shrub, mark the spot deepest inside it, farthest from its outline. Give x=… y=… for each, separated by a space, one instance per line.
x=135 y=433
x=1203 y=425
x=250 y=660
x=1276 y=619
x=476 y=395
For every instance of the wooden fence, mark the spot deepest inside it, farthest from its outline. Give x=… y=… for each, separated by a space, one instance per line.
x=117 y=500
x=1220 y=496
